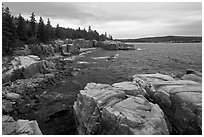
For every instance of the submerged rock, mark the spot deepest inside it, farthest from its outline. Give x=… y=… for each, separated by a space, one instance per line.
x=106 y=109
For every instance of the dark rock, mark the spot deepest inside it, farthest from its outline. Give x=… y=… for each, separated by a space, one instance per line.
x=7 y=106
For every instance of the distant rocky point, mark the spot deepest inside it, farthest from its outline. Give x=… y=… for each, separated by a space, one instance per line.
x=114 y=45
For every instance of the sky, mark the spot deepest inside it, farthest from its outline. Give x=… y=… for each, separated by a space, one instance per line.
x=120 y=19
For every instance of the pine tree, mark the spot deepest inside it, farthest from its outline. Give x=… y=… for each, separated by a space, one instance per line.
x=8 y=32
x=89 y=28
x=21 y=30
x=111 y=37
x=41 y=30
x=57 y=32
x=33 y=24
x=49 y=31
x=106 y=35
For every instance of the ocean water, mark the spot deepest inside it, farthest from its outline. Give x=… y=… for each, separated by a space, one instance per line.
x=166 y=58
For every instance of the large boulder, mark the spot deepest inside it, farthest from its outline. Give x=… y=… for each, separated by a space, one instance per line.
x=25 y=67
x=19 y=127
x=17 y=65
x=106 y=109
x=181 y=100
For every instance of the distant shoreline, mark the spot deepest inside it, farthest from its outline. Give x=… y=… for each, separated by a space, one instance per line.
x=160 y=42
x=165 y=39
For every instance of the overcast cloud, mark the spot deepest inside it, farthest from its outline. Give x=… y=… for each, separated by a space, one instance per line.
x=122 y=20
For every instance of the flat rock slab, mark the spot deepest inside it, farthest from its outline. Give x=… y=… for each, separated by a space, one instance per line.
x=181 y=100
x=106 y=109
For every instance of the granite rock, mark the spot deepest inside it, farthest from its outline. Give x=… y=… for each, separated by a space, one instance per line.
x=181 y=100
x=105 y=109
x=19 y=127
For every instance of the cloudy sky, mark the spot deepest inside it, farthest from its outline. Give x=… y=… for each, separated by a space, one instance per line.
x=121 y=20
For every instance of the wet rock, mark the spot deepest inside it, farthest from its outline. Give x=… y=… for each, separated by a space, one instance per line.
x=181 y=100
x=19 y=127
x=105 y=109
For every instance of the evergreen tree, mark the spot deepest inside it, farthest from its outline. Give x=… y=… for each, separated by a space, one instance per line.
x=111 y=37
x=41 y=30
x=8 y=32
x=32 y=32
x=102 y=37
x=21 y=30
x=28 y=30
x=84 y=34
x=79 y=33
x=33 y=24
x=57 y=32
x=89 y=28
x=49 y=31
x=106 y=34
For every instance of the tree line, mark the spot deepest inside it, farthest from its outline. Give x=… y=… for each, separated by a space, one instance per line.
x=16 y=31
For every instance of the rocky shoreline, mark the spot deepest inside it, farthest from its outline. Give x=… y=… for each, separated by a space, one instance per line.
x=29 y=108
x=150 y=104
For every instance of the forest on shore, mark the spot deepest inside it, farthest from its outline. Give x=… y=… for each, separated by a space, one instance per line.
x=17 y=31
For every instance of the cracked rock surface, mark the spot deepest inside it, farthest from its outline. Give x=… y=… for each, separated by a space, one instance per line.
x=181 y=100
x=106 y=109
